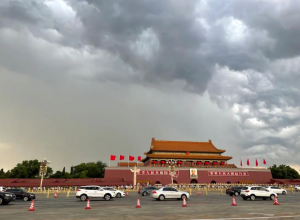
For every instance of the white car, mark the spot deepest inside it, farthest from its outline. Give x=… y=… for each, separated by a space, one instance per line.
x=253 y=192
x=119 y=193
x=297 y=188
x=87 y=192
x=277 y=190
x=2 y=189
x=169 y=193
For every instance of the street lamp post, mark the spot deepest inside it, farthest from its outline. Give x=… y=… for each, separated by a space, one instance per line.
x=43 y=170
x=172 y=170
x=135 y=172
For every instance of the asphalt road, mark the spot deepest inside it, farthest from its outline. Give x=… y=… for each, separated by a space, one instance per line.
x=212 y=206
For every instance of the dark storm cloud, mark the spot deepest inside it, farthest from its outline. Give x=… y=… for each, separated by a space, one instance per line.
x=116 y=26
x=245 y=54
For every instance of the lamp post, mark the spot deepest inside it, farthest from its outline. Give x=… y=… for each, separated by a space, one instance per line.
x=43 y=169
x=135 y=171
x=172 y=170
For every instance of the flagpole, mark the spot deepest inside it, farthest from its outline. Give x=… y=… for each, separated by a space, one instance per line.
x=128 y=161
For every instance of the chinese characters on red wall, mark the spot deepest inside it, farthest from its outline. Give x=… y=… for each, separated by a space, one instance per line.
x=155 y=172
x=226 y=173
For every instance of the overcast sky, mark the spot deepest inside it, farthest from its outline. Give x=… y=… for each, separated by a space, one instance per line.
x=83 y=79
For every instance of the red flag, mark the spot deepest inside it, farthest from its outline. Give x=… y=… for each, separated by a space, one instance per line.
x=265 y=161
x=112 y=157
x=139 y=158
x=131 y=158
x=256 y=162
x=122 y=157
x=248 y=163
x=241 y=163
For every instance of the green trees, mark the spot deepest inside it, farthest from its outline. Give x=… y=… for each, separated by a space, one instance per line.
x=284 y=172
x=26 y=169
x=83 y=170
x=2 y=174
x=30 y=169
x=89 y=170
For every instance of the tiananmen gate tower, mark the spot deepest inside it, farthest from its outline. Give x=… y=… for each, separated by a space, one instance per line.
x=195 y=162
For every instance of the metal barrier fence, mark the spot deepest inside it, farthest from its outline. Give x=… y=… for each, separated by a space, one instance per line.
x=220 y=188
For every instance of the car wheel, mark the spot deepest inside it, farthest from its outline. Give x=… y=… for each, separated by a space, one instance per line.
x=83 y=198
x=272 y=197
x=107 y=197
x=283 y=192
x=252 y=197
x=25 y=198
x=236 y=193
x=183 y=197
x=244 y=198
x=1 y=201
x=161 y=197
x=144 y=193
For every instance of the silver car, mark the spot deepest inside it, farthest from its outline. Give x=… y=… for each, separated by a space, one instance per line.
x=119 y=193
x=169 y=193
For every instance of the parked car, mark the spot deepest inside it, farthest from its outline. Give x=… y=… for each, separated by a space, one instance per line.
x=2 y=189
x=145 y=191
x=87 y=192
x=297 y=188
x=22 y=194
x=169 y=193
x=119 y=193
x=253 y=192
x=6 y=197
x=277 y=190
x=236 y=190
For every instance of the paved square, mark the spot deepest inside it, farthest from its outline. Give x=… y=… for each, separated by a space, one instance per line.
x=212 y=206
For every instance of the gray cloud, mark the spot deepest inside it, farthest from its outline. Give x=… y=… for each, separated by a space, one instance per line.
x=240 y=54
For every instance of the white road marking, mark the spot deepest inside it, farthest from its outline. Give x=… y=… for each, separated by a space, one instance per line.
x=260 y=214
x=289 y=216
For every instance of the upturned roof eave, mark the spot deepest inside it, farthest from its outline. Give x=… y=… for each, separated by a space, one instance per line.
x=202 y=151
x=172 y=156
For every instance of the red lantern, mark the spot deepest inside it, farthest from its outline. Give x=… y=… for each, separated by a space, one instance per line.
x=222 y=163
x=154 y=161
x=206 y=163
x=198 y=162
x=215 y=163
x=163 y=162
x=179 y=162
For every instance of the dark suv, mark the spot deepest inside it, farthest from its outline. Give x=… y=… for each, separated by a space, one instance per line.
x=22 y=194
x=6 y=197
x=236 y=190
x=145 y=191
